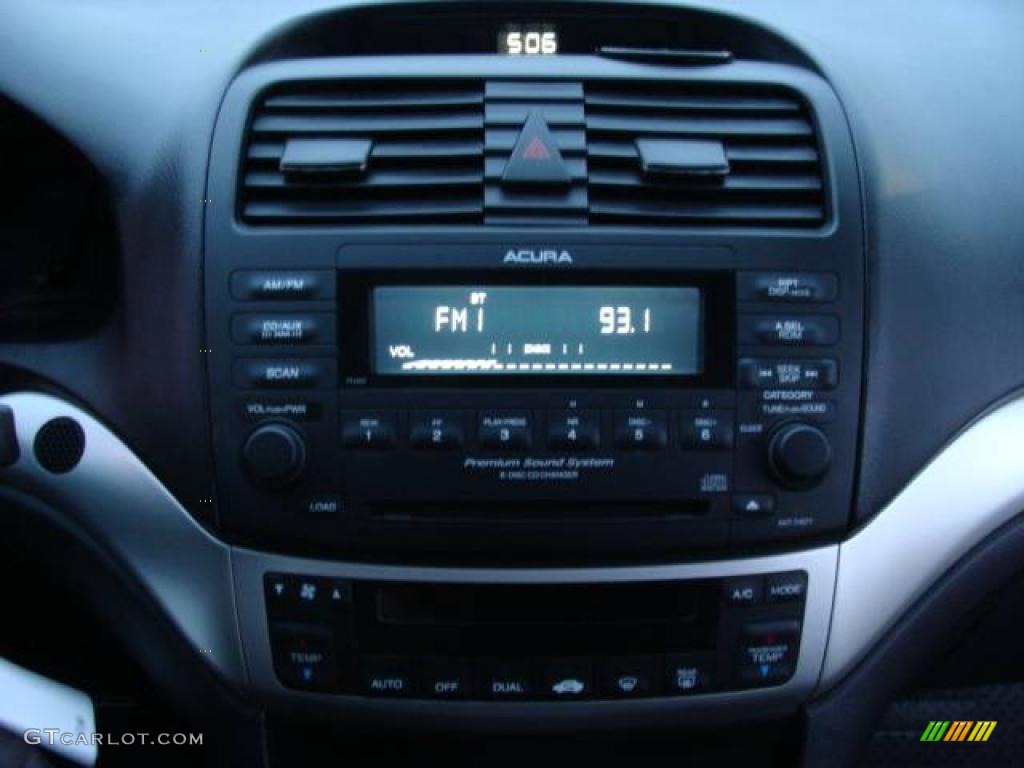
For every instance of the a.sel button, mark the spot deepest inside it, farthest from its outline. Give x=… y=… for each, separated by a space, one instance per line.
x=437 y=430
x=789 y=330
x=368 y=430
x=284 y=285
x=792 y=287
x=783 y=587
x=573 y=429
x=505 y=430
x=284 y=374
x=283 y=329
x=641 y=430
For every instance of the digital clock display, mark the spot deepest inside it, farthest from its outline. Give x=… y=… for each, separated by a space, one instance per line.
x=528 y=40
x=503 y=330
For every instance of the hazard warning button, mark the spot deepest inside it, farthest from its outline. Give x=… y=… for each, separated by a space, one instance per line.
x=535 y=159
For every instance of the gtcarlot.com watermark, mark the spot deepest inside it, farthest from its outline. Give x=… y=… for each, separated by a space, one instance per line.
x=54 y=736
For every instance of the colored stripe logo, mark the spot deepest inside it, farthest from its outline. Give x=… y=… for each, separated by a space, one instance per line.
x=958 y=730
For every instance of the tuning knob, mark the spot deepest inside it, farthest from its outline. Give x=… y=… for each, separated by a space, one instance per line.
x=274 y=455
x=799 y=455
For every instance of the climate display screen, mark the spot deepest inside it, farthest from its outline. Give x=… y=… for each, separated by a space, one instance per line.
x=506 y=330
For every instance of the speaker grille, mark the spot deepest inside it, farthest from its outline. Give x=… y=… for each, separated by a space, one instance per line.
x=59 y=445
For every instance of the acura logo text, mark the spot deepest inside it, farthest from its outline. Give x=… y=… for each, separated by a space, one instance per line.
x=537 y=256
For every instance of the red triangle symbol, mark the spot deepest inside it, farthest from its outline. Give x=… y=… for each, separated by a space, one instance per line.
x=536 y=150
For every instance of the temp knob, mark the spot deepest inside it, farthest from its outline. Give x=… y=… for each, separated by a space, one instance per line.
x=274 y=455
x=799 y=455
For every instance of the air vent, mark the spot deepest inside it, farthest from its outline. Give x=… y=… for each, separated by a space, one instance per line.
x=374 y=152
x=771 y=175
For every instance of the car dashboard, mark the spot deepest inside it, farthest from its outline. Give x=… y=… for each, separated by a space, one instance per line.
x=648 y=371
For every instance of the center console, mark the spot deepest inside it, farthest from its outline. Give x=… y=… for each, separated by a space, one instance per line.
x=533 y=389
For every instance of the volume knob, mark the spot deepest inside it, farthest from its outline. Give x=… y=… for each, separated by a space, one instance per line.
x=799 y=455
x=274 y=455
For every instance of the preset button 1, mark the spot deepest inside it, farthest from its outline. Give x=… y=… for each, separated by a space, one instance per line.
x=373 y=431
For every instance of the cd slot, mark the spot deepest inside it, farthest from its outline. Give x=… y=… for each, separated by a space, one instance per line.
x=520 y=511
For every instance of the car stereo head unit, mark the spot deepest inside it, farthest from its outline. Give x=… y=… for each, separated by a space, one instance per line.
x=467 y=400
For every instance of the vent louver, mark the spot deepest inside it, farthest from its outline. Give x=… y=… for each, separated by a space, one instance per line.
x=425 y=162
x=410 y=152
x=774 y=174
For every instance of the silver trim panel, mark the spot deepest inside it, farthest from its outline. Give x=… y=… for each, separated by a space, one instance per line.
x=116 y=499
x=969 y=489
x=214 y=594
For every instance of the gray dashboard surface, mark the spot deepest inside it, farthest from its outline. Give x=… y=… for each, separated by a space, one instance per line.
x=934 y=92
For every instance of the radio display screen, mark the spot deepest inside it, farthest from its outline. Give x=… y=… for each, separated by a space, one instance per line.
x=509 y=330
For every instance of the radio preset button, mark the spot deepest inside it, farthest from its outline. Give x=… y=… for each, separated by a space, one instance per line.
x=790 y=287
x=641 y=430
x=707 y=429
x=305 y=373
x=768 y=373
x=372 y=431
x=573 y=429
x=283 y=285
x=513 y=430
x=282 y=329
x=789 y=330
x=440 y=430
